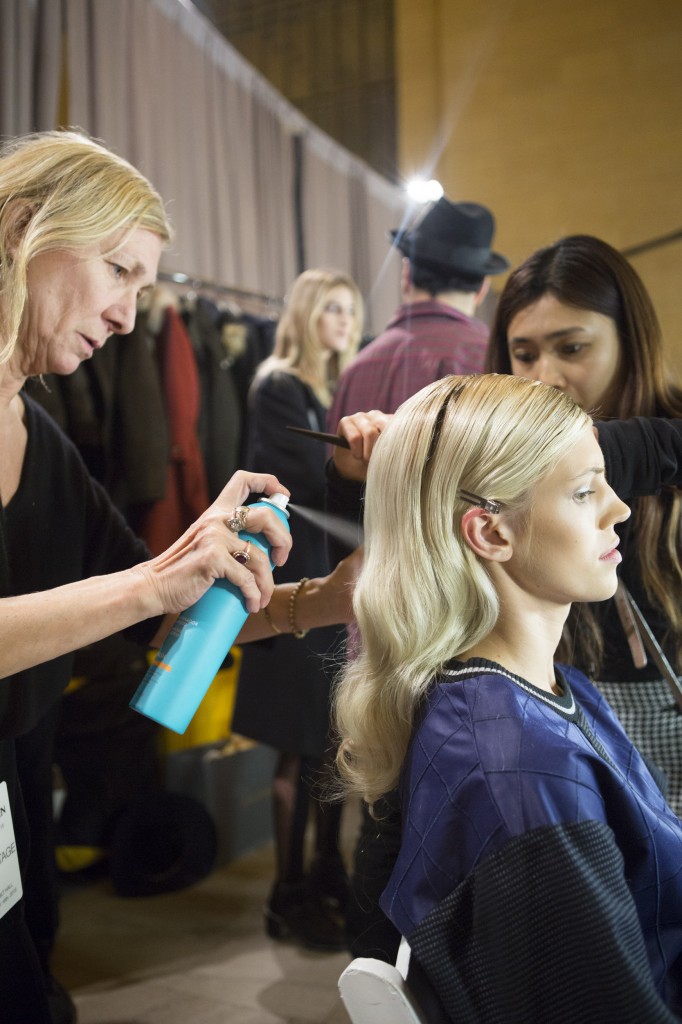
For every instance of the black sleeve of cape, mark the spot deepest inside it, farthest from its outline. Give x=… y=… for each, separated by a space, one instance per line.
x=544 y=930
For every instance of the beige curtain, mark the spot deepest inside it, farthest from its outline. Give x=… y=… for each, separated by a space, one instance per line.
x=327 y=171
x=30 y=58
x=387 y=208
x=160 y=85
x=348 y=210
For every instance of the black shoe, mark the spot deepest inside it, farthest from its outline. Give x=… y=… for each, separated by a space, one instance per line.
x=62 y=1006
x=295 y=912
x=329 y=879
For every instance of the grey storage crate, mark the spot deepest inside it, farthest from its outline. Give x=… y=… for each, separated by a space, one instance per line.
x=233 y=781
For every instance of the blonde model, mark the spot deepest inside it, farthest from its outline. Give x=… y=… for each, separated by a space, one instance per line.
x=538 y=873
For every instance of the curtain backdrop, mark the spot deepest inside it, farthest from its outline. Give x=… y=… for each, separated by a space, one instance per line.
x=387 y=208
x=30 y=60
x=160 y=85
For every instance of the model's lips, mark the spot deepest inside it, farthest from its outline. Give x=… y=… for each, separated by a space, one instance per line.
x=612 y=555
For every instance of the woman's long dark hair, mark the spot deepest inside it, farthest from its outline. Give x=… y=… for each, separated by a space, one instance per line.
x=587 y=273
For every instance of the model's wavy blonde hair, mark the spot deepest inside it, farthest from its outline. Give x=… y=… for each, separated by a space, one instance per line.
x=423 y=596
x=63 y=190
x=297 y=340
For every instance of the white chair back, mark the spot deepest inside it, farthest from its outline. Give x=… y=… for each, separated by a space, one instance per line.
x=375 y=992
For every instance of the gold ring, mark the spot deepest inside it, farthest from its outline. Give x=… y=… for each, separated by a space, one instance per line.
x=243 y=556
x=236 y=521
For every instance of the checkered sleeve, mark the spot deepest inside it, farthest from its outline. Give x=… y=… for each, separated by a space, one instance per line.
x=545 y=929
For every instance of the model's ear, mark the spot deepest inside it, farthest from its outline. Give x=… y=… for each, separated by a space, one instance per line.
x=487 y=535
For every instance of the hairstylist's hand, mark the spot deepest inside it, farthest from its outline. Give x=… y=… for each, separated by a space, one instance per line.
x=362 y=431
x=205 y=552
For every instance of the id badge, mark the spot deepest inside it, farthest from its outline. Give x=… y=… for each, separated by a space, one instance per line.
x=10 y=876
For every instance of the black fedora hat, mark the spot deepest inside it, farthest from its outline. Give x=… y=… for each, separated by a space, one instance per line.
x=453 y=237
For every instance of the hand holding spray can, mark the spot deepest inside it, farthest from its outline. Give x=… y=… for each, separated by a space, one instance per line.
x=190 y=656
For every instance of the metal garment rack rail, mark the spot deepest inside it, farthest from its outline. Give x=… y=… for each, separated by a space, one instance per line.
x=199 y=284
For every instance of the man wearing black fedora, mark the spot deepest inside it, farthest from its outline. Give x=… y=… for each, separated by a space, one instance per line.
x=445 y=276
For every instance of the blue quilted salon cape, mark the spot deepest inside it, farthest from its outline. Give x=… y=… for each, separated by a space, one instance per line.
x=540 y=873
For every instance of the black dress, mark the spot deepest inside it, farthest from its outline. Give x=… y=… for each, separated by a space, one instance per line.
x=284 y=684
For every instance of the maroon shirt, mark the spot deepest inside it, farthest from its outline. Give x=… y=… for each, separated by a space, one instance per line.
x=422 y=343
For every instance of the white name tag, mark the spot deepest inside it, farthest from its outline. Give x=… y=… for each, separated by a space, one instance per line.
x=10 y=876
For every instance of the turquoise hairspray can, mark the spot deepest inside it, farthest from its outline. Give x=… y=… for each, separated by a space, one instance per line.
x=187 y=662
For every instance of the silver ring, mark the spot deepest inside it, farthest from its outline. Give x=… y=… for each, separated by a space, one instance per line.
x=242 y=556
x=236 y=521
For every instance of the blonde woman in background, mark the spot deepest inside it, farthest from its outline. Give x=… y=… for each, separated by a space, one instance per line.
x=283 y=695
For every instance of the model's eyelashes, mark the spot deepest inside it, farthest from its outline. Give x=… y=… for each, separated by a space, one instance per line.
x=582 y=495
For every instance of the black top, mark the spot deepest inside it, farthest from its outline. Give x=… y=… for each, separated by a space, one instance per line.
x=284 y=682
x=643 y=457
x=61 y=527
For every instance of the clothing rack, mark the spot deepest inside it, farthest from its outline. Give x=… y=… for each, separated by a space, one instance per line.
x=199 y=284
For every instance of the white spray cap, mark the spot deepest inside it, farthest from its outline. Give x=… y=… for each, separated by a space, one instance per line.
x=280 y=500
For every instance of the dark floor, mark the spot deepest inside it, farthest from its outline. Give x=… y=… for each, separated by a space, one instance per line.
x=199 y=956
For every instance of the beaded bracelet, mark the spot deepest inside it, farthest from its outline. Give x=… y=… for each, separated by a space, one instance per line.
x=298 y=633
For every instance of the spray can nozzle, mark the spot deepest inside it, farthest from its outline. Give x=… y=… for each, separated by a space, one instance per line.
x=279 y=500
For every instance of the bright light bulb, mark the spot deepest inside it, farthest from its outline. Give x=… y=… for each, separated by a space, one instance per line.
x=421 y=191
